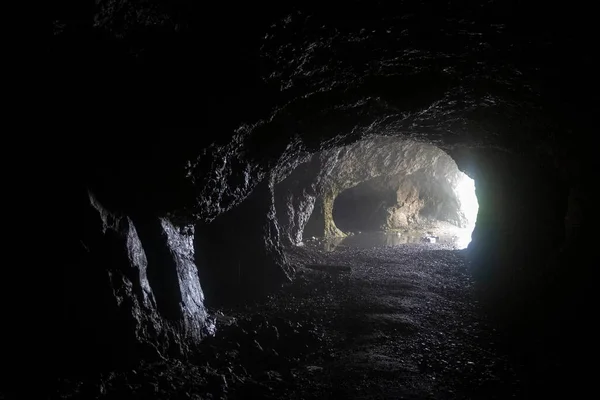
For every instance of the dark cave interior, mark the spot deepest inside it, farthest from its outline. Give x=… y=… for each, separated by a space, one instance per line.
x=186 y=202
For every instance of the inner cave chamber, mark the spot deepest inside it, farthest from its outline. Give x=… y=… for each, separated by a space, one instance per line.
x=436 y=197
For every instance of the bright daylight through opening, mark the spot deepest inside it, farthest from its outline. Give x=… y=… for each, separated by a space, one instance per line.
x=387 y=192
x=469 y=207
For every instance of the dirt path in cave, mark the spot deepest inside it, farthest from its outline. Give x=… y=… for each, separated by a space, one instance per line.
x=403 y=323
x=397 y=322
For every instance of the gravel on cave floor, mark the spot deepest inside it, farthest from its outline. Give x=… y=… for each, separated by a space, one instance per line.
x=395 y=322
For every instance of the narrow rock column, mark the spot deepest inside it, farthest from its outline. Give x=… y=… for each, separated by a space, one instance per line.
x=130 y=289
x=321 y=223
x=180 y=242
x=173 y=275
x=109 y=307
x=331 y=230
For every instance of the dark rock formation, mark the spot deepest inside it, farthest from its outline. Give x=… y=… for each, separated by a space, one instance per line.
x=504 y=93
x=130 y=290
x=240 y=252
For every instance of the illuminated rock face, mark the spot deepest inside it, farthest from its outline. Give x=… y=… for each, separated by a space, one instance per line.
x=400 y=202
x=132 y=290
x=396 y=183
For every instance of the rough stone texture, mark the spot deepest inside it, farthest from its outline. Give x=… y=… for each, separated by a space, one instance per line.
x=114 y=307
x=401 y=201
x=404 y=212
x=321 y=222
x=240 y=252
x=193 y=322
x=379 y=204
x=481 y=81
x=323 y=83
x=331 y=172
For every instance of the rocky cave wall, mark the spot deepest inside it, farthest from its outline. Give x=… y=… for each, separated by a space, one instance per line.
x=534 y=270
x=130 y=289
x=316 y=183
x=253 y=167
x=243 y=250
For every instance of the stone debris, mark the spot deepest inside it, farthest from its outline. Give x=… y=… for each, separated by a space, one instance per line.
x=404 y=324
x=430 y=239
x=329 y=268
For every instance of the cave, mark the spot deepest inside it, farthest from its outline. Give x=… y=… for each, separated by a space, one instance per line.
x=430 y=198
x=376 y=200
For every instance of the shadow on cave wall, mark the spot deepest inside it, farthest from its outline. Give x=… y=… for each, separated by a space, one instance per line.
x=363 y=207
x=239 y=254
x=535 y=277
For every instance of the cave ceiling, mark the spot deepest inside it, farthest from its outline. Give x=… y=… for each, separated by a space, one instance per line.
x=260 y=89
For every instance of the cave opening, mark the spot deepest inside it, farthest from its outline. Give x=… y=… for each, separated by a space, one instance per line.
x=392 y=192
x=409 y=208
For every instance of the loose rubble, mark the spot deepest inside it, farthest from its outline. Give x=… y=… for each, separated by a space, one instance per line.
x=394 y=322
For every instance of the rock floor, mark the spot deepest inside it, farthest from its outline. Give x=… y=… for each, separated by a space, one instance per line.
x=404 y=323
x=399 y=322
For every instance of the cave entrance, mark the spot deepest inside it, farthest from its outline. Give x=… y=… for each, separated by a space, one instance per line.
x=435 y=203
